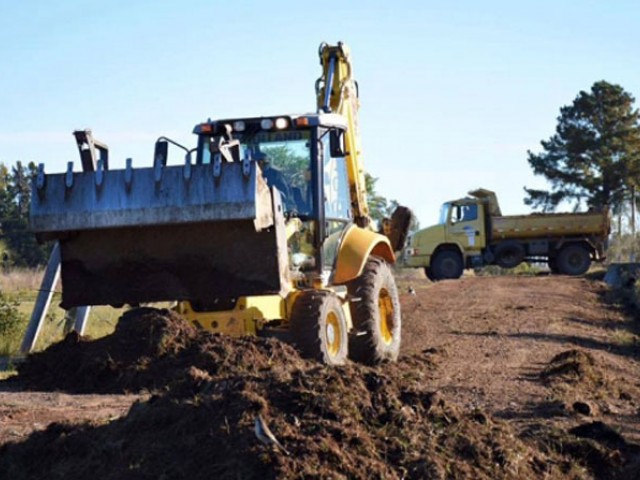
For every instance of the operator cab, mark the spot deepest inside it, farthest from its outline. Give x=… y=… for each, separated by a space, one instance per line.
x=302 y=156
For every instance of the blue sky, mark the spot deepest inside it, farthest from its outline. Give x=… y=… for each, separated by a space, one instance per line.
x=453 y=94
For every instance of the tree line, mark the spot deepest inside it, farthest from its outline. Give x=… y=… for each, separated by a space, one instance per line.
x=18 y=246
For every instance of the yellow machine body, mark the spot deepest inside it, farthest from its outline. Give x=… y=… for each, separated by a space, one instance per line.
x=267 y=229
x=250 y=315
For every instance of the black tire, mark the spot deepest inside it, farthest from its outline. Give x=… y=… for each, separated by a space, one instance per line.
x=509 y=254
x=375 y=311
x=574 y=260
x=427 y=272
x=319 y=327
x=446 y=264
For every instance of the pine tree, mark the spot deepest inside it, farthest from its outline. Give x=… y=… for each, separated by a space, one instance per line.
x=594 y=156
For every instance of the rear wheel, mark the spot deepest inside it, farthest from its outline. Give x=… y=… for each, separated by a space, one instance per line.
x=319 y=327
x=375 y=311
x=447 y=264
x=574 y=260
x=427 y=272
x=509 y=254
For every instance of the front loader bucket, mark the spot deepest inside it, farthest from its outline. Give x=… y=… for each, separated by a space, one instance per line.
x=189 y=232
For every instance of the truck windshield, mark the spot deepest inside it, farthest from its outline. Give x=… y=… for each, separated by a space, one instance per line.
x=285 y=160
x=444 y=213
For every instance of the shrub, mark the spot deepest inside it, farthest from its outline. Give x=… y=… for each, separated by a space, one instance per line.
x=10 y=317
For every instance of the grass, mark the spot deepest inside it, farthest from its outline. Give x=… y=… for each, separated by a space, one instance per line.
x=624 y=338
x=21 y=280
x=21 y=286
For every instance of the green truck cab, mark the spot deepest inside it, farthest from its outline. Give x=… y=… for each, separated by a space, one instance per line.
x=472 y=232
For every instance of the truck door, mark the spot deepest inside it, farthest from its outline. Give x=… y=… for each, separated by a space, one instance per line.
x=467 y=226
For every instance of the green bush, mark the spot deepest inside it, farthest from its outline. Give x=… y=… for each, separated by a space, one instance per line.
x=11 y=322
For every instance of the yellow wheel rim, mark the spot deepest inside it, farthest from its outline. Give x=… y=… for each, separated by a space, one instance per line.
x=385 y=309
x=334 y=337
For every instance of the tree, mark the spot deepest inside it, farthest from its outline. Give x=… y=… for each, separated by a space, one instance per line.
x=379 y=206
x=15 y=196
x=594 y=156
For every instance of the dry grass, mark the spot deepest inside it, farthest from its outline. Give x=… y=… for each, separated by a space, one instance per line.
x=18 y=281
x=22 y=285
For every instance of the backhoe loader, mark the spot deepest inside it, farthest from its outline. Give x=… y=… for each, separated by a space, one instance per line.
x=263 y=230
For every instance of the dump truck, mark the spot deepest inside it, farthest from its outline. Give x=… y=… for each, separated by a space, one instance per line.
x=472 y=232
x=264 y=229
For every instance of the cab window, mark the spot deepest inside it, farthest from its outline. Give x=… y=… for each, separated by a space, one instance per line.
x=337 y=205
x=464 y=213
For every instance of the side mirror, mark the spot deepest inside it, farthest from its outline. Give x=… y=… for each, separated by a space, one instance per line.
x=161 y=153
x=336 y=143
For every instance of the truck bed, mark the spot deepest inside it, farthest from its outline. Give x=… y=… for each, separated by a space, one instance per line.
x=549 y=225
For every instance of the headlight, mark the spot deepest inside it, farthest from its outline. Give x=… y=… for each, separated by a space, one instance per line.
x=281 y=123
x=266 y=124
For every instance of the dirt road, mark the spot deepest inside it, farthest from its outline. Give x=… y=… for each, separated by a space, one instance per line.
x=490 y=366
x=495 y=336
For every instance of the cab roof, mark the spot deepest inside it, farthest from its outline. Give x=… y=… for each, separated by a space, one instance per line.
x=295 y=120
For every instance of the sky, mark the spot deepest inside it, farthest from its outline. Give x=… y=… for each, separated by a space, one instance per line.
x=453 y=94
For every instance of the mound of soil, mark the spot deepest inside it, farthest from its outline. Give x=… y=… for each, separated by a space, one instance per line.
x=150 y=350
x=573 y=366
x=347 y=422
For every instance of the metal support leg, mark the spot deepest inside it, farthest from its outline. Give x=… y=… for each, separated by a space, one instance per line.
x=82 y=317
x=43 y=300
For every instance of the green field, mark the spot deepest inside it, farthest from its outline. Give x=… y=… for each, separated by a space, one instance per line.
x=19 y=289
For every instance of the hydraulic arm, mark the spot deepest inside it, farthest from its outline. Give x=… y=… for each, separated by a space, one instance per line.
x=337 y=92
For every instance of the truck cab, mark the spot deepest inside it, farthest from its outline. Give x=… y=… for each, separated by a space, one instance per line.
x=451 y=244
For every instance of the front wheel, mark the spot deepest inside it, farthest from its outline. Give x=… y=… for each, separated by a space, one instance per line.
x=574 y=260
x=447 y=264
x=375 y=311
x=319 y=327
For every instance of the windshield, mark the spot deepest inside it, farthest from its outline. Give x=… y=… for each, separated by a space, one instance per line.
x=444 y=213
x=284 y=158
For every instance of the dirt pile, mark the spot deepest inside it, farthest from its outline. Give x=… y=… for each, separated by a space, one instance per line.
x=574 y=367
x=150 y=350
x=348 y=422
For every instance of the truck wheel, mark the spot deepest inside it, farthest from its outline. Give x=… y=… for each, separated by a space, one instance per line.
x=509 y=254
x=427 y=272
x=375 y=311
x=574 y=260
x=447 y=265
x=319 y=327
